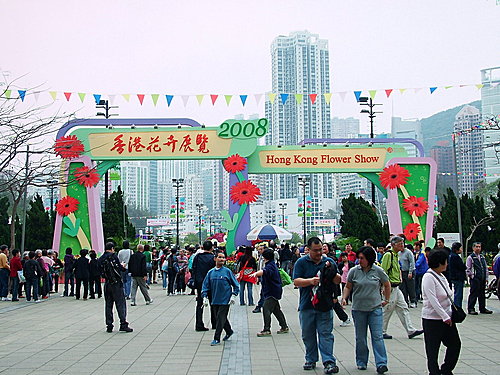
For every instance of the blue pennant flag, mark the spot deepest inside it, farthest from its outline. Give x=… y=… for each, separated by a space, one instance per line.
x=97 y=98
x=22 y=93
x=432 y=89
x=243 y=99
x=169 y=99
x=357 y=94
x=284 y=98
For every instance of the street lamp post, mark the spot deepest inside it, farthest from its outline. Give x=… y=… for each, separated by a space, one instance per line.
x=177 y=183
x=303 y=180
x=283 y=208
x=51 y=186
x=459 y=208
x=365 y=101
x=199 y=206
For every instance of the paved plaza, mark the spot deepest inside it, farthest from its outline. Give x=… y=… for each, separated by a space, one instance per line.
x=65 y=336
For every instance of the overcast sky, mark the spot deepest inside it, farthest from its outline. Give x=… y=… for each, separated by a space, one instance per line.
x=223 y=47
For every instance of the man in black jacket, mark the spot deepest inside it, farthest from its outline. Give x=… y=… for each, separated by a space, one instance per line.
x=111 y=270
x=138 y=271
x=202 y=263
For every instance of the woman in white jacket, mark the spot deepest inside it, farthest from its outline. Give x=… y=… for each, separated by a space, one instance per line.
x=436 y=316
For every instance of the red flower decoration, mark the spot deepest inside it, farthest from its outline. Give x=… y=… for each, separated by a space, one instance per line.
x=414 y=205
x=235 y=163
x=67 y=205
x=69 y=147
x=394 y=176
x=411 y=231
x=244 y=192
x=87 y=176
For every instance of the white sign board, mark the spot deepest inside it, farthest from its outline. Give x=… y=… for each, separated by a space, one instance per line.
x=158 y=222
x=449 y=238
x=325 y=222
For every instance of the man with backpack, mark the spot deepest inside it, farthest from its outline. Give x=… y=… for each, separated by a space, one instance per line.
x=315 y=275
x=202 y=263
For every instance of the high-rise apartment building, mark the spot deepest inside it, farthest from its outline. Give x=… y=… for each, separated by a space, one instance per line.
x=345 y=127
x=469 y=150
x=135 y=178
x=300 y=65
x=407 y=129
x=490 y=107
x=442 y=153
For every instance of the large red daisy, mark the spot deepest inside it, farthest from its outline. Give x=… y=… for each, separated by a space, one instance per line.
x=69 y=147
x=244 y=192
x=411 y=231
x=87 y=176
x=67 y=205
x=414 y=205
x=394 y=176
x=235 y=163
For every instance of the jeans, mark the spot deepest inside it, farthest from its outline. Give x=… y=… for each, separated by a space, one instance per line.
x=164 y=278
x=69 y=278
x=113 y=294
x=149 y=269
x=95 y=286
x=286 y=266
x=171 y=281
x=317 y=332
x=32 y=283
x=85 y=288
x=435 y=333
x=222 y=322
x=4 y=282
x=272 y=306
x=249 y=292
x=458 y=292
x=373 y=320
x=127 y=283
x=15 y=287
x=418 y=286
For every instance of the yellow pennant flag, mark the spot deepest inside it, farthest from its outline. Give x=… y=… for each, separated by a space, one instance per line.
x=372 y=93
x=126 y=97
x=82 y=96
x=328 y=97
x=271 y=97
x=53 y=94
x=448 y=87
x=298 y=98
x=479 y=86
x=155 y=98
x=8 y=93
x=200 y=98
x=402 y=91
x=228 y=99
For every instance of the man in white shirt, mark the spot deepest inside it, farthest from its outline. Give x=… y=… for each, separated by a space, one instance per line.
x=124 y=257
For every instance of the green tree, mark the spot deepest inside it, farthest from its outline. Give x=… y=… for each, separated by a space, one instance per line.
x=447 y=221
x=4 y=221
x=494 y=234
x=39 y=231
x=191 y=239
x=358 y=219
x=113 y=219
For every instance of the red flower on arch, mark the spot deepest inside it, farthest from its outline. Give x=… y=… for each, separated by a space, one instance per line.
x=244 y=192
x=235 y=163
x=87 y=176
x=67 y=205
x=414 y=205
x=411 y=231
x=69 y=147
x=394 y=176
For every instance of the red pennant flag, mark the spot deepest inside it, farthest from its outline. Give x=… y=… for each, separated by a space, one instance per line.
x=313 y=97
x=140 y=97
x=388 y=92
x=67 y=95
x=214 y=98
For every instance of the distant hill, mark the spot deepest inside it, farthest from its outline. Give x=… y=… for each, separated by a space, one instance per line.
x=439 y=127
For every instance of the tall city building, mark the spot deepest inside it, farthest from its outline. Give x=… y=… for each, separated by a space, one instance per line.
x=442 y=153
x=135 y=178
x=407 y=129
x=469 y=150
x=300 y=65
x=490 y=107
x=345 y=127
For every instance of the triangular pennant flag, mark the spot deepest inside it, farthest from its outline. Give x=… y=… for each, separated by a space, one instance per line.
x=272 y=97
x=53 y=94
x=169 y=99
x=284 y=98
x=185 y=99
x=200 y=98
x=448 y=87
x=243 y=99
x=480 y=86
x=258 y=97
x=416 y=90
x=8 y=93
x=402 y=91
x=328 y=97
x=313 y=98
x=36 y=95
x=388 y=92
x=97 y=98
x=357 y=94
x=82 y=96
x=342 y=95
x=111 y=98
x=213 y=97
x=155 y=97
x=432 y=89
x=141 y=98
x=298 y=98
x=67 y=95
x=22 y=94
x=228 y=99
x=372 y=93
x=126 y=97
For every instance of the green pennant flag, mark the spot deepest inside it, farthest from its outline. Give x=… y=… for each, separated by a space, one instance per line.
x=82 y=96
x=53 y=94
x=155 y=98
x=228 y=99
x=8 y=93
x=372 y=93
x=126 y=97
x=200 y=98
x=298 y=98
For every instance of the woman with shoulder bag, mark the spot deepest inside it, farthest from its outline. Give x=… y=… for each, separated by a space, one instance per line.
x=247 y=265
x=437 y=316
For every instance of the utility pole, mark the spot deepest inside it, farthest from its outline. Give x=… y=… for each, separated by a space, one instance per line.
x=199 y=206
x=459 y=208
x=177 y=183
x=25 y=198
x=303 y=180
x=283 y=208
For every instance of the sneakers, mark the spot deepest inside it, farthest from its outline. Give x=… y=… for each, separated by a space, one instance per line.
x=283 y=330
x=386 y=336
x=309 y=366
x=412 y=305
x=228 y=336
x=37 y=301
x=5 y=299
x=215 y=343
x=382 y=369
x=256 y=310
x=149 y=302
x=346 y=323
x=486 y=311
x=133 y=304
x=264 y=333
x=109 y=329
x=361 y=367
x=126 y=329
x=416 y=333
x=330 y=368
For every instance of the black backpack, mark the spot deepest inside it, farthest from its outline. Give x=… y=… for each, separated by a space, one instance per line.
x=110 y=272
x=322 y=295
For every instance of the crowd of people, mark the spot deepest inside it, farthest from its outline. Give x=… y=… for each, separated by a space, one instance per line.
x=375 y=280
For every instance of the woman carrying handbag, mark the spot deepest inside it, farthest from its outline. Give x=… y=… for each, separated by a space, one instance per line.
x=246 y=265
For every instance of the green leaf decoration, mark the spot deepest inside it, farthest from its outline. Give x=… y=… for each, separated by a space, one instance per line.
x=71 y=230
x=431 y=243
x=228 y=223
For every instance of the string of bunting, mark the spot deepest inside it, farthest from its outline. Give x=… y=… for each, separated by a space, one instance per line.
x=242 y=98
x=490 y=123
x=469 y=174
